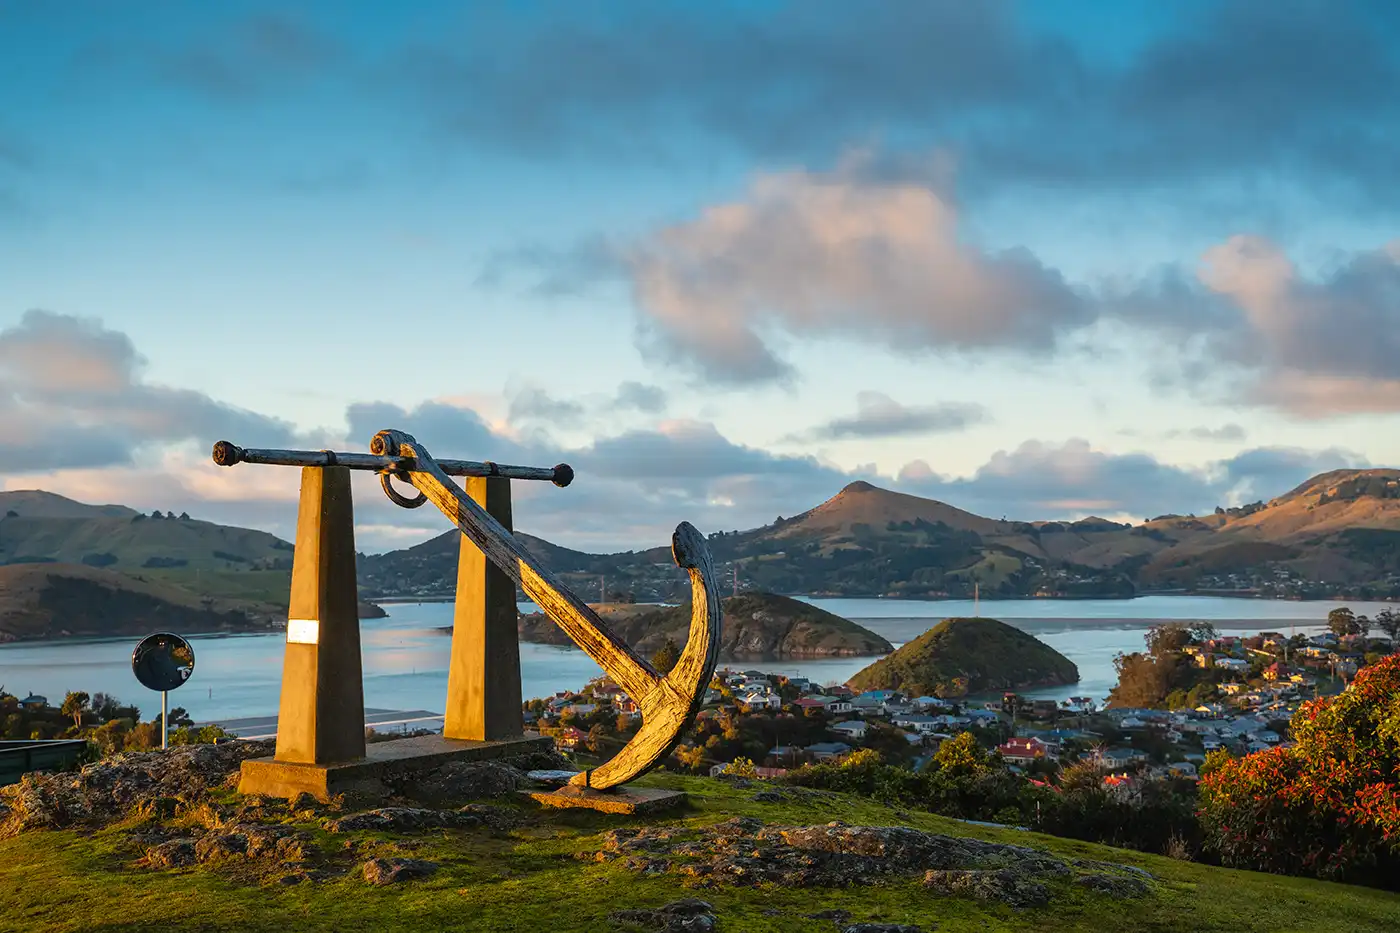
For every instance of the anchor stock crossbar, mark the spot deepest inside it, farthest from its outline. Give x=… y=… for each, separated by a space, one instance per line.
x=668 y=703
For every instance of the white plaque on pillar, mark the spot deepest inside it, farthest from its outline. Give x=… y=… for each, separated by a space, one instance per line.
x=303 y=631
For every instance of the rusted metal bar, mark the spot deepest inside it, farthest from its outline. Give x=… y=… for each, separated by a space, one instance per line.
x=227 y=454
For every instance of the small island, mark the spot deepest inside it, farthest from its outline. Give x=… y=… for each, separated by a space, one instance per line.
x=961 y=656
x=756 y=626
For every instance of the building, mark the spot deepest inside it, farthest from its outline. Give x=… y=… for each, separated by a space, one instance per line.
x=828 y=751
x=1021 y=750
x=852 y=729
x=916 y=721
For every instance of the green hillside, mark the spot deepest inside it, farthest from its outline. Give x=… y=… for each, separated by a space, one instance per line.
x=959 y=656
x=540 y=870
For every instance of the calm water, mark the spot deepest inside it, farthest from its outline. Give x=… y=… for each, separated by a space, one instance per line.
x=405 y=657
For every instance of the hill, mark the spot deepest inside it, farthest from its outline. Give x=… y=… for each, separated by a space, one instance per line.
x=756 y=625
x=40 y=601
x=531 y=869
x=961 y=656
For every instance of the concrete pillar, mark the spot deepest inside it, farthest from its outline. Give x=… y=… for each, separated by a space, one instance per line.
x=483 y=679
x=322 y=715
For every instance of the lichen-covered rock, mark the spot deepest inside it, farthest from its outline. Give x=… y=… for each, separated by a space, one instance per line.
x=217 y=846
x=744 y=851
x=1002 y=884
x=393 y=870
x=175 y=853
x=688 y=915
x=415 y=819
x=107 y=790
x=467 y=780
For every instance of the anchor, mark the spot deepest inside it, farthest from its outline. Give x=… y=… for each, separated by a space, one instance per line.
x=668 y=703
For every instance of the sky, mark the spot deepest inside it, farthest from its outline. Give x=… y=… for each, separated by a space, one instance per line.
x=1038 y=260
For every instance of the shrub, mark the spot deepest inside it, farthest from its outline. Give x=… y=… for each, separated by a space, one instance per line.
x=1330 y=805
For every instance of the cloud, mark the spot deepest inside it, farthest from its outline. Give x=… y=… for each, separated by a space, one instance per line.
x=837 y=254
x=1213 y=90
x=878 y=415
x=1073 y=479
x=637 y=396
x=1226 y=432
x=1315 y=347
x=73 y=394
x=535 y=404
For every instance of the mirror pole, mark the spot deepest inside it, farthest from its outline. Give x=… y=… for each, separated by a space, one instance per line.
x=164 y=722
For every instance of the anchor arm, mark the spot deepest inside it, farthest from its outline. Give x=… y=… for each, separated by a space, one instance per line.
x=668 y=704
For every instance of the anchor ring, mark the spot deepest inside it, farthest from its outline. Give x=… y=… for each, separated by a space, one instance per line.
x=397 y=497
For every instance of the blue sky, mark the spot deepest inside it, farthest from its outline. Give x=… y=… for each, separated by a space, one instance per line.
x=1035 y=259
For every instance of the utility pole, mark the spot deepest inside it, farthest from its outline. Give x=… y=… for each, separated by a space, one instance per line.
x=736 y=581
x=976 y=600
x=602 y=588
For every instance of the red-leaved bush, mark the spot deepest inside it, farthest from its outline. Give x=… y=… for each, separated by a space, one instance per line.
x=1330 y=805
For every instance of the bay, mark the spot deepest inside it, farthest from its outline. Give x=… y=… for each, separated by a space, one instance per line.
x=405 y=655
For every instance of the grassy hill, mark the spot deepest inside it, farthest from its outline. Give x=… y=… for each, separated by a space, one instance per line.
x=959 y=656
x=62 y=600
x=540 y=874
x=756 y=625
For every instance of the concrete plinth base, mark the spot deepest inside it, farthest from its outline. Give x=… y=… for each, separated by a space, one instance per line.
x=632 y=800
x=383 y=760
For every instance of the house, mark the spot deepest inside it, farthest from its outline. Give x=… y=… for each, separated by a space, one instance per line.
x=1081 y=704
x=916 y=721
x=762 y=701
x=1122 y=786
x=1232 y=664
x=808 y=704
x=867 y=706
x=1115 y=758
x=882 y=696
x=1132 y=722
x=839 y=690
x=1023 y=751
x=581 y=709
x=1275 y=671
x=852 y=729
x=801 y=683
x=1182 y=769
x=981 y=717
x=931 y=703
x=1044 y=709
x=838 y=705
x=1210 y=743
x=34 y=701
x=826 y=751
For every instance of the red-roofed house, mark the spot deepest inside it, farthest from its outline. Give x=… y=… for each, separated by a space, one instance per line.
x=1023 y=751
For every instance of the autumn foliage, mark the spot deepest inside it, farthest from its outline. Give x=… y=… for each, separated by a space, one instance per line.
x=1329 y=805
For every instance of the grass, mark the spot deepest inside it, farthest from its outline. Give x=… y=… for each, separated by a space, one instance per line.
x=261 y=586
x=529 y=880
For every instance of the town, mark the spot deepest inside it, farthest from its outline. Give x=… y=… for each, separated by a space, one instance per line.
x=1248 y=689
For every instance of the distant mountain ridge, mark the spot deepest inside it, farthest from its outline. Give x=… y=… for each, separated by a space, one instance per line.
x=1336 y=534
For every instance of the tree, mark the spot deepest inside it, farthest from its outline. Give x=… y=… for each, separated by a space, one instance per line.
x=962 y=755
x=666 y=656
x=1342 y=622
x=1171 y=637
x=1388 y=621
x=1329 y=805
x=74 y=705
x=1363 y=626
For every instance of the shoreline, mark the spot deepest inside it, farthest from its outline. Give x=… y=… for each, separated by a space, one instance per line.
x=1221 y=594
